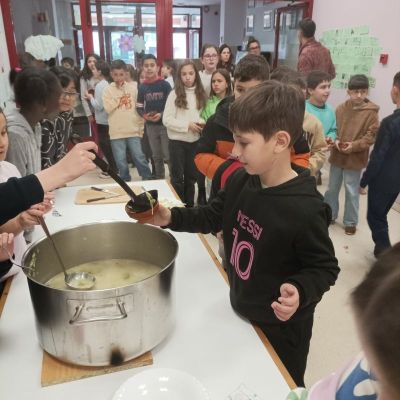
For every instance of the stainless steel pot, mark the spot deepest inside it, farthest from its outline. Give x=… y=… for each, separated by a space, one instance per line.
x=102 y=327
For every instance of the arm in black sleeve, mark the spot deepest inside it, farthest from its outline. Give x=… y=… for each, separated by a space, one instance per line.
x=140 y=101
x=205 y=219
x=382 y=146
x=318 y=266
x=17 y=195
x=5 y=266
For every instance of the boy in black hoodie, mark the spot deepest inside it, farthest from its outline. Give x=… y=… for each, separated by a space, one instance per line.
x=275 y=224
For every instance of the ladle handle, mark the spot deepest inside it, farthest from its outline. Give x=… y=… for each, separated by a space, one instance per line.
x=47 y=232
x=105 y=167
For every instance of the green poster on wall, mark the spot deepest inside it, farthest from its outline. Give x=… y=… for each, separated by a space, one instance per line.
x=353 y=51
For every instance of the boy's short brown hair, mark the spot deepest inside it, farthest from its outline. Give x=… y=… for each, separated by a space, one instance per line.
x=251 y=67
x=358 y=82
x=396 y=80
x=268 y=108
x=118 y=64
x=314 y=78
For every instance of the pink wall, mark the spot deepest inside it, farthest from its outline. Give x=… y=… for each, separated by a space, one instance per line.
x=382 y=17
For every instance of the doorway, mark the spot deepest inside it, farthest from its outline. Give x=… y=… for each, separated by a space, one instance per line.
x=186 y=32
x=286 y=36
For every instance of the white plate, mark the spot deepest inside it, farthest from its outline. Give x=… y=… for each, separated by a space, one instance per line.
x=162 y=384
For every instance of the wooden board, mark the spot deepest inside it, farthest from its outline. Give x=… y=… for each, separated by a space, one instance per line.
x=55 y=371
x=83 y=195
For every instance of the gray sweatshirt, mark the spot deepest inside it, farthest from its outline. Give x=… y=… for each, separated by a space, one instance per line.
x=24 y=143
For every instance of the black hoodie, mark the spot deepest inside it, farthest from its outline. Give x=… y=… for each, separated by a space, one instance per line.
x=271 y=236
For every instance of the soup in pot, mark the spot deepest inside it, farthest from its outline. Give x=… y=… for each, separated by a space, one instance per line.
x=109 y=273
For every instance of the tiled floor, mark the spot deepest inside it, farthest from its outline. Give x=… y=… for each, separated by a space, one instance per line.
x=334 y=337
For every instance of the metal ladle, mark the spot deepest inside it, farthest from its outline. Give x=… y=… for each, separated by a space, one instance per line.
x=139 y=203
x=74 y=280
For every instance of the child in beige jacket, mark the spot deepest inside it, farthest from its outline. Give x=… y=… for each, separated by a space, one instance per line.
x=126 y=125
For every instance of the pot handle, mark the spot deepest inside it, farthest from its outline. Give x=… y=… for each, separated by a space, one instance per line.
x=78 y=310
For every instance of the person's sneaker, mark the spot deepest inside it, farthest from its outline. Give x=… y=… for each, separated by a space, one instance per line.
x=103 y=175
x=350 y=230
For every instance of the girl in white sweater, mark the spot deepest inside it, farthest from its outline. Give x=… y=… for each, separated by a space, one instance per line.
x=184 y=124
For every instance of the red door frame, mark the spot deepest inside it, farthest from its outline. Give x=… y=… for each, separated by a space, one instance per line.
x=308 y=8
x=163 y=23
x=9 y=32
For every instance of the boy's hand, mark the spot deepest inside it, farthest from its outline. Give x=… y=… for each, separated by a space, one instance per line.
x=329 y=141
x=347 y=147
x=287 y=303
x=152 y=116
x=338 y=145
x=161 y=217
x=6 y=246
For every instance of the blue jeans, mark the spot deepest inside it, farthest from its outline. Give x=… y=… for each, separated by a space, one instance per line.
x=119 y=147
x=351 y=185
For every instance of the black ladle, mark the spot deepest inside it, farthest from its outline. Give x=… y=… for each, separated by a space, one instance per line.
x=139 y=203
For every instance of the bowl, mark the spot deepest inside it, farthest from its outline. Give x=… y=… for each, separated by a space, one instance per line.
x=142 y=217
x=162 y=384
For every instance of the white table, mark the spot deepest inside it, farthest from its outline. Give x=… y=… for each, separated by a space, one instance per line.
x=209 y=340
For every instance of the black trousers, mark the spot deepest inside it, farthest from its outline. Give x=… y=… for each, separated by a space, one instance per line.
x=105 y=145
x=291 y=341
x=183 y=169
x=379 y=204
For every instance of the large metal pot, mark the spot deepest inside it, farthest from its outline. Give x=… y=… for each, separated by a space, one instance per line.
x=101 y=327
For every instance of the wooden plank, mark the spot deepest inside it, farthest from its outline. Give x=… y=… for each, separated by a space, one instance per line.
x=4 y=295
x=289 y=380
x=82 y=195
x=55 y=371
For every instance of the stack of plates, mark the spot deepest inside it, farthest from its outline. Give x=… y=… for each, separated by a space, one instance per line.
x=162 y=384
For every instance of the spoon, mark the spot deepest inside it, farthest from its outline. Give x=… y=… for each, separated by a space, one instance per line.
x=139 y=203
x=74 y=280
x=10 y=257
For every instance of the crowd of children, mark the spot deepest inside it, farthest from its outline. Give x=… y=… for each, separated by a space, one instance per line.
x=261 y=140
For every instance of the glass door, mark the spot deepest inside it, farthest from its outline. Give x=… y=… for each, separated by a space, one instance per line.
x=115 y=25
x=286 y=36
x=179 y=40
x=186 y=32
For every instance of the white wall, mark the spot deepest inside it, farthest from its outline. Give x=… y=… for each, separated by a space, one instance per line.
x=5 y=90
x=383 y=20
x=233 y=21
x=211 y=29
x=25 y=22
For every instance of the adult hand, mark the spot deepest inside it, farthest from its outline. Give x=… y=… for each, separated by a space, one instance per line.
x=6 y=246
x=287 y=303
x=76 y=162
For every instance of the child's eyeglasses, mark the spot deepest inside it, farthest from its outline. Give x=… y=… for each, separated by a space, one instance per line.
x=209 y=56
x=71 y=95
